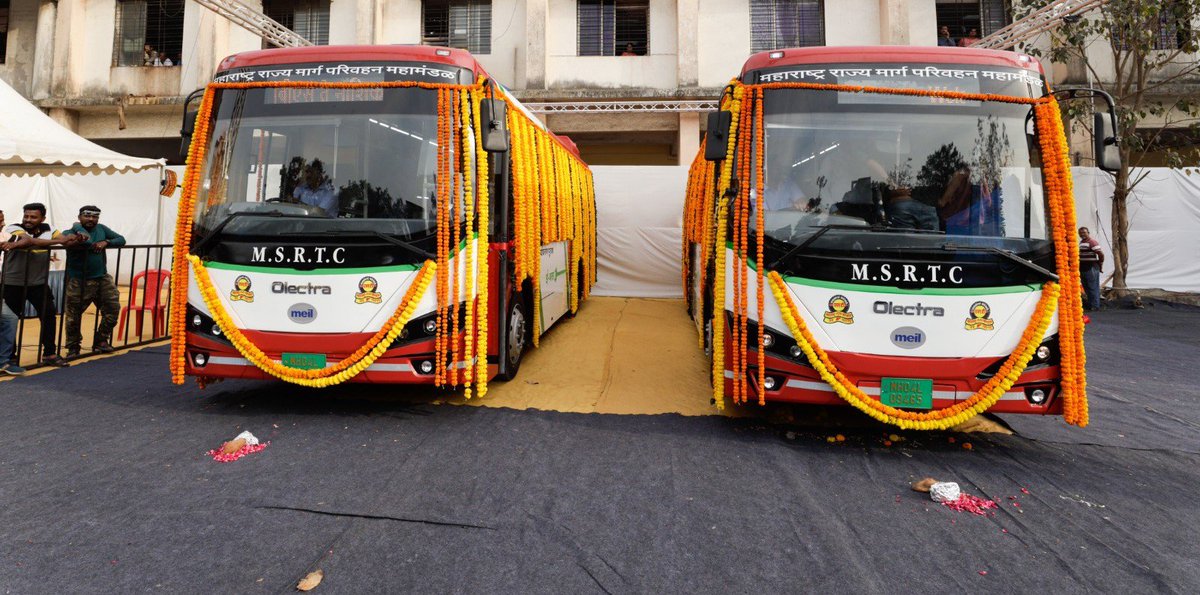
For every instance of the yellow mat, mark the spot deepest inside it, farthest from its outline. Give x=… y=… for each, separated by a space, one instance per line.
x=618 y=355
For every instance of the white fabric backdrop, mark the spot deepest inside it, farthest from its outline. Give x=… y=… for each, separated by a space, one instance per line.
x=1164 y=225
x=129 y=201
x=639 y=219
x=639 y=222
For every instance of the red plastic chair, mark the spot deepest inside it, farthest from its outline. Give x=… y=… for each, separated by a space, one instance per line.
x=152 y=280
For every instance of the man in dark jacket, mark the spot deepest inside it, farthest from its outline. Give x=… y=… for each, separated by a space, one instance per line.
x=88 y=281
x=27 y=270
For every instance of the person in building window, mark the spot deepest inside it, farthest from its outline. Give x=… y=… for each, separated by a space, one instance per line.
x=944 y=39
x=317 y=189
x=972 y=37
x=1091 y=261
x=629 y=51
x=88 y=281
x=27 y=271
x=147 y=57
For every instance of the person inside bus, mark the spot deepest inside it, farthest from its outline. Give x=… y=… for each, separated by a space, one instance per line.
x=786 y=194
x=317 y=189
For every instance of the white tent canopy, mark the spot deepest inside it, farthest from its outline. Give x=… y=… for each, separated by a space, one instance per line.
x=40 y=161
x=30 y=138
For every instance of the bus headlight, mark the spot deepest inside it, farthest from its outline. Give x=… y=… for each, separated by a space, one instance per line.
x=430 y=326
x=197 y=321
x=796 y=352
x=1043 y=353
x=200 y=359
x=770 y=383
x=426 y=367
x=768 y=339
x=1037 y=396
x=216 y=330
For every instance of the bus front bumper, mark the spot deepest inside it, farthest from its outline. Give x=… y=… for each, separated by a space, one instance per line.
x=954 y=381
x=412 y=363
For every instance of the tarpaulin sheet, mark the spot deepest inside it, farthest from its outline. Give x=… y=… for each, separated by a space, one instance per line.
x=107 y=489
x=1164 y=221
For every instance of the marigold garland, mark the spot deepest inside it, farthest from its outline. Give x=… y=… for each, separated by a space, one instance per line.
x=939 y=419
x=340 y=372
x=708 y=208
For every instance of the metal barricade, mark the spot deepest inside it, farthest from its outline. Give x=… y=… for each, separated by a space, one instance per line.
x=67 y=294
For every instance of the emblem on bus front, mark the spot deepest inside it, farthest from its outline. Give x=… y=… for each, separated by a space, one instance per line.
x=839 y=311
x=366 y=291
x=980 y=317
x=241 y=290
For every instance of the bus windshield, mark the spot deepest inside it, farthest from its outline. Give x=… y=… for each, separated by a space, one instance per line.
x=884 y=173
x=289 y=161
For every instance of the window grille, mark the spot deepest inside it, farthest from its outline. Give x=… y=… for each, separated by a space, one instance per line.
x=776 y=24
x=308 y=18
x=3 y=30
x=465 y=24
x=985 y=16
x=613 y=27
x=1169 y=30
x=149 y=33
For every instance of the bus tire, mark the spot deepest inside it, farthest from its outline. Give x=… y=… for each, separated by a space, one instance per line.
x=518 y=335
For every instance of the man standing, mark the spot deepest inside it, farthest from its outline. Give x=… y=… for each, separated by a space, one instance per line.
x=1091 y=261
x=27 y=270
x=88 y=281
x=8 y=320
x=944 y=39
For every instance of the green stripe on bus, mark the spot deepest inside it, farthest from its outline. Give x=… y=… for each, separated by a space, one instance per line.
x=924 y=291
x=282 y=271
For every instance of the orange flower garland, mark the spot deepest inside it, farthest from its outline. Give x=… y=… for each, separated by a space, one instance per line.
x=183 y=238
x=939 y=419
x=345 y=369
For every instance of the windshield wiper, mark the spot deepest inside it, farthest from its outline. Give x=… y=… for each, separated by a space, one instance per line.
x=216 y=231
x=1006 y=254
x=362 y=233
x=822 y=229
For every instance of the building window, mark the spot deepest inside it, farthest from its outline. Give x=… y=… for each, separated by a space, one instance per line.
x=776 y=24
x=149 y=33
x=1169 y=29
x=464 y=24
x=984 y=16
x=308 y=18
x=613 y=27
x=3 y=30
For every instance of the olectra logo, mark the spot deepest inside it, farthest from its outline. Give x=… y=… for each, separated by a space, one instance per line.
x=908 y=337
x=302 y=313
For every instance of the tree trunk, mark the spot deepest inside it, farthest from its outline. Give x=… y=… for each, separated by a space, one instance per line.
x=1120 y=230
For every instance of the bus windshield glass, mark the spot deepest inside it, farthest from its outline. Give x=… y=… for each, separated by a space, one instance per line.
x=885 y=173
x=290 y=161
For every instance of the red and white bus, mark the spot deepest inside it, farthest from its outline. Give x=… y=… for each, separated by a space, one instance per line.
x=382 y=214
x=898 y=205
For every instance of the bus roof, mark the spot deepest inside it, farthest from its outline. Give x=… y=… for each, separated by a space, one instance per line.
x=888 y=54
x=354 y=53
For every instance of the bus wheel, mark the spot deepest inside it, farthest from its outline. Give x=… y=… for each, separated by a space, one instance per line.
x=518 y=335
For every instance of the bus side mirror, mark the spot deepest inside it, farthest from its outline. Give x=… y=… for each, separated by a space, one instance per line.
x=1108 y=153
x=189 y=123
x=493 y=114
x=716 y=138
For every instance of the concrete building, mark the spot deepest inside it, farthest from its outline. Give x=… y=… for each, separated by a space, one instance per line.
x=92 y=63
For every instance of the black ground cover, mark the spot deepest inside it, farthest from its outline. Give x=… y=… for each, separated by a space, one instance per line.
x=106 y=489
